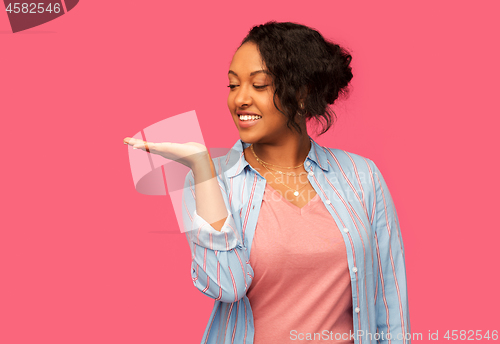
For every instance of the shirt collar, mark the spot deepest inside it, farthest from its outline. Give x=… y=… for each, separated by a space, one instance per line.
x=237 y=161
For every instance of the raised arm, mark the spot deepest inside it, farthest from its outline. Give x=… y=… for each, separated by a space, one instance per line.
x=220 y=265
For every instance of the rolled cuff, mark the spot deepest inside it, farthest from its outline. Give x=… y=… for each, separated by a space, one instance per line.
x=203 y=234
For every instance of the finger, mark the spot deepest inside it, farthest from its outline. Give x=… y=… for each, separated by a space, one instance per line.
x=130 y=141
x=144 y=145
x=137 y=143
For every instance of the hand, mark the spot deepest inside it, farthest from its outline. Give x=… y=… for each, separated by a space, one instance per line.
x=187 y=154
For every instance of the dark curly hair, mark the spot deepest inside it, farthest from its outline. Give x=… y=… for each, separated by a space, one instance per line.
x=302 y=62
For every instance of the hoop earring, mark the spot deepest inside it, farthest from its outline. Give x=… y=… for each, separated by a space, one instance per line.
x=301 y=106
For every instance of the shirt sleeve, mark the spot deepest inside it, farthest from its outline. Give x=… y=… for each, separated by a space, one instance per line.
x=391 y=303
x=220 y=267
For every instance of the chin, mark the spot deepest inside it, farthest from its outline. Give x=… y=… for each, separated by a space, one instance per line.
x=248 y=138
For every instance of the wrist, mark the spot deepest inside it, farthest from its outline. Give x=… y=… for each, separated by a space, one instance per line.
x=203 y=167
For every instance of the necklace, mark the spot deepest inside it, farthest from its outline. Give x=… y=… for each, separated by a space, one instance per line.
x=295 y=192
x=263 y=163
x=287 y=173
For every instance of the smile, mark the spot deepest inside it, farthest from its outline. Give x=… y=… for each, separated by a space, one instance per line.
x=247 y=121
x=249 y=118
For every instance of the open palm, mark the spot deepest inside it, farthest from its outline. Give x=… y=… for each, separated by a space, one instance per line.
x=185 y=153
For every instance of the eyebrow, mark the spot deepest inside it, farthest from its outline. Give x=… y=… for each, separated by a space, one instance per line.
x=251 y=74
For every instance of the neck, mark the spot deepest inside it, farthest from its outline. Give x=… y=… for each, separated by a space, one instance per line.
x=288 y=152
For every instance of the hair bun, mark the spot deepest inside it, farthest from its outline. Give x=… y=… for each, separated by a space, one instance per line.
x=340 y=72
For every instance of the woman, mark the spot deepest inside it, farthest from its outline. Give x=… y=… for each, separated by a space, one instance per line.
x=293 y=240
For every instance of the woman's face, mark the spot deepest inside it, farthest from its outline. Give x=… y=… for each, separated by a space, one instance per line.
x=251 y=92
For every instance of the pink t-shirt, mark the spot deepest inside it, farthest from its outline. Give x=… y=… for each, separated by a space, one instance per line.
x=301 y=283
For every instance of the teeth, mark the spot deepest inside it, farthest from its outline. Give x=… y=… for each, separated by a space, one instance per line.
x=248 y=117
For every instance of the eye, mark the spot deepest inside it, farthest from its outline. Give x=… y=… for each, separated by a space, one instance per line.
x=256 y=86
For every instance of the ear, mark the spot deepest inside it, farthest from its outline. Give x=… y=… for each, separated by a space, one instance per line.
x=302 y=93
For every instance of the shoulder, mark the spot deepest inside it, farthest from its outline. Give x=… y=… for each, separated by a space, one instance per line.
x=353 y=173
x=343 y=160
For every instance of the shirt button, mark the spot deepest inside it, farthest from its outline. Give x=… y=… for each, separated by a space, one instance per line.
x=253 y=207
x=311 y=173
x=357 y=309
x=328 y=201
x=354 y=269
x=346 y=230
x=308 y=163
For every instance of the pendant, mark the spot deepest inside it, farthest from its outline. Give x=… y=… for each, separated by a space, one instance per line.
x=296 y=193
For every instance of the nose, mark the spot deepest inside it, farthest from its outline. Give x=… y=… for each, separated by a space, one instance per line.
x=242 y=97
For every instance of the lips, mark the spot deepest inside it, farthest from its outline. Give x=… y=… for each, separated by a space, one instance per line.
x=247 y=123
x=239 y=113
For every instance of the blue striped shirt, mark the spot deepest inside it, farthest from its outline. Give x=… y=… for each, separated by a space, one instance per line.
x=356 y=195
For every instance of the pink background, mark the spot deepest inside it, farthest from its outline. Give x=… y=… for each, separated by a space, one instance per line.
x=85 y=258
